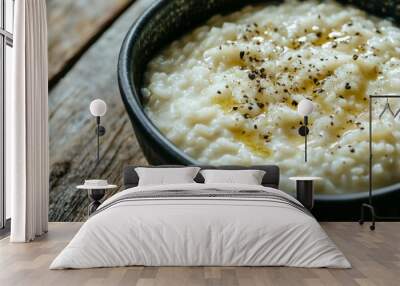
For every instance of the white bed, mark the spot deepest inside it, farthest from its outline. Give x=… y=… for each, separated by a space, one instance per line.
x=248 y=226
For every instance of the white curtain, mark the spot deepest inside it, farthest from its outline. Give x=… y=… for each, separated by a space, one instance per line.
x=27 y=167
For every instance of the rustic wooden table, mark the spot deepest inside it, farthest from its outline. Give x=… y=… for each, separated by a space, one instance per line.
x=85 y=37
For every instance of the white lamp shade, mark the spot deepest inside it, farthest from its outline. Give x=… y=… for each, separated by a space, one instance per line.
x=98 y=107
x=305 y=107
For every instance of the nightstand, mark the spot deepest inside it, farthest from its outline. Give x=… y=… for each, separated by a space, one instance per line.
x=305 y=190
x=96 y=194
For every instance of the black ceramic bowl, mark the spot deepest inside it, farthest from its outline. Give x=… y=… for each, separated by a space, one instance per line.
x=166 y=21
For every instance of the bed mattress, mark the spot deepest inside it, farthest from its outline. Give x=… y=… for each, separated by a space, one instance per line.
x=201 y=225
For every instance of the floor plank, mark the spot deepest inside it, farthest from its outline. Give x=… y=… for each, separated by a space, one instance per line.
x=375 y=257
x=72 y=128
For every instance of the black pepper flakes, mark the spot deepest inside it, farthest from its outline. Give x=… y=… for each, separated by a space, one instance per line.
x=241 y=54
x=252 y=76
x=355 y=57
x=347 y=86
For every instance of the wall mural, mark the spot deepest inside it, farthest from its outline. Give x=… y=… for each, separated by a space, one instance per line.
x=227 y=91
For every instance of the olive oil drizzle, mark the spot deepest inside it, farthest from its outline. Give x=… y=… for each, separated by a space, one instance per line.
x=312 y=87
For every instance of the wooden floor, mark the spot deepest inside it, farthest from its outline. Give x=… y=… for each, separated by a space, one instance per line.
x=375 y=257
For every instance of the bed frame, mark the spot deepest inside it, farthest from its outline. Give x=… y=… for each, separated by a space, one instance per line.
x=271 y=177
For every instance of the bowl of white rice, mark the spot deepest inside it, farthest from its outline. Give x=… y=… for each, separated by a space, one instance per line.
x=218 y=82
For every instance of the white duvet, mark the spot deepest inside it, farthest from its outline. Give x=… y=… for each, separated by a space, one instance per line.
x=191 y=231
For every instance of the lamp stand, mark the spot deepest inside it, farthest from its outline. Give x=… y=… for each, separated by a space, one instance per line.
x=100 y=131
x=303 y=131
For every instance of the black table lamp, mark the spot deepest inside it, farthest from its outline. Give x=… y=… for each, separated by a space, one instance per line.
x=305 y=108
x=98 y=108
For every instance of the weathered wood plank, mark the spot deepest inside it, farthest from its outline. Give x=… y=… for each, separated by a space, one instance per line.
x=73 y=24
x=72 y=128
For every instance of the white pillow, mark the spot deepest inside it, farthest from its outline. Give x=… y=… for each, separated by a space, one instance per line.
x=248 y=177
x=163 y=176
